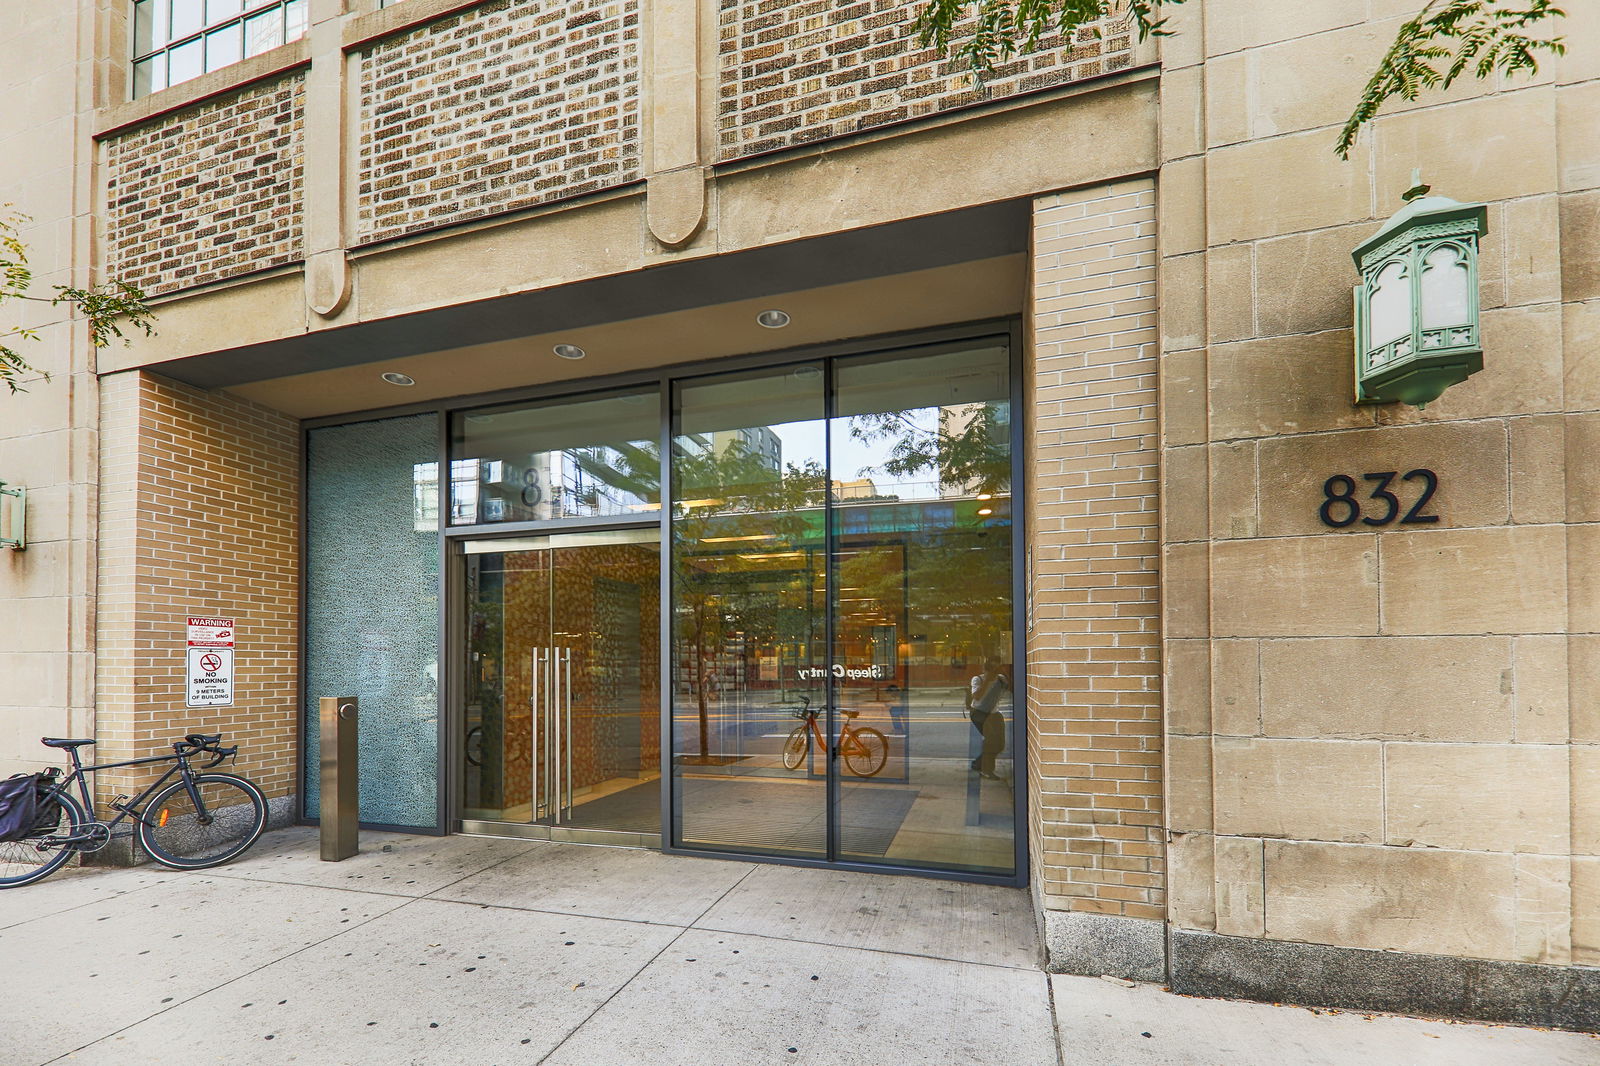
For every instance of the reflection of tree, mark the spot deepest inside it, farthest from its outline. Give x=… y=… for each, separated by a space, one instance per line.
x=740 y=533
x=970 y=446
x=739 y=560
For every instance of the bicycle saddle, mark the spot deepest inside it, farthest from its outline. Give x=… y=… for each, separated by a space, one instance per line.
x=56 y=742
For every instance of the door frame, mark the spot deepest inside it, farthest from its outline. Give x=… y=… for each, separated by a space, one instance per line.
x=456 y=622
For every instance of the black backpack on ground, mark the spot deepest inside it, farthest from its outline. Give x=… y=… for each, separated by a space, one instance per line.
x=19 y=806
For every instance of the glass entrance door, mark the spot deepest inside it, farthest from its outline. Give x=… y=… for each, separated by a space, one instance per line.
x=561 y=685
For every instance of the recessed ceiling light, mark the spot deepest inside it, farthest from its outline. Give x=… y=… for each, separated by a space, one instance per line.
x=569 y=351
x=986 y=510
x=773 y=319
x=806 y=372
x=985 y=496
x=399 y=379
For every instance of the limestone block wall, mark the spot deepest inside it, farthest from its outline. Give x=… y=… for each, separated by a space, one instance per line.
x=199 y=504
x=797 y=71
x=1094 y=701
x=209 y=192
x=1379 y=736
x=501 y=106
x=47 y=433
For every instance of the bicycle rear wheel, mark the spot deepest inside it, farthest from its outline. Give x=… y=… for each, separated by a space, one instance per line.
x=174 y=833
x=865 y=751
x=23 y=862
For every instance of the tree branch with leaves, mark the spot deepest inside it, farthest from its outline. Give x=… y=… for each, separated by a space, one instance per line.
x=109 y=308
x=1446 y=39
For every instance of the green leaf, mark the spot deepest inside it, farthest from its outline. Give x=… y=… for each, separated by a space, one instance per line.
x=1480 y=36
x=109 y=308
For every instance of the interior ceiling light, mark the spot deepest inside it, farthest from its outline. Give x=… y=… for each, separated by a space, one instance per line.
x=569 y=351
x=394 y=378
x=773 y=319
x=986 y=510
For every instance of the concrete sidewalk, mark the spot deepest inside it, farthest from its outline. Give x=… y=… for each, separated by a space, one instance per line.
x=432 y=950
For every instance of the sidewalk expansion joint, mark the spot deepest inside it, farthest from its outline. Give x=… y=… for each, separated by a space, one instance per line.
x=646 y=965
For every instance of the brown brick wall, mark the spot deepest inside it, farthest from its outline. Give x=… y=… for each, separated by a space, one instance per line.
x=504 y=106
x=199 y=516
x=209 y=192
x=1094 y=697
x=795 y=71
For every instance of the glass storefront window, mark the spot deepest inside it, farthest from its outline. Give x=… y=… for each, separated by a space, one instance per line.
x=842 y=583
x=749 y=466
x=584 y=458
x=922 y=606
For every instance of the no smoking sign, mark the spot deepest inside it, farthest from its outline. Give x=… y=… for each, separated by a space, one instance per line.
x=210 y=677
x=210 y=662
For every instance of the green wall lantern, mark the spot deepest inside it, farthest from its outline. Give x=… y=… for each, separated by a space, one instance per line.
x=1417 y=304
x=13 y=517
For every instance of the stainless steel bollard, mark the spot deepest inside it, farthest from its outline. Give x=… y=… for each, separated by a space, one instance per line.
x=341 y=796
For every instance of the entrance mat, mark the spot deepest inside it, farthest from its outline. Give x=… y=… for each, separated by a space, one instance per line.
x=760 y=814
x=769 y=816
x=636 y=809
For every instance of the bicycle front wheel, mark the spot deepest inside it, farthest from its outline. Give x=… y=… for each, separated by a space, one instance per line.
x=794 y=749
x=31 y=859
x=231 y=815
x=865 y=752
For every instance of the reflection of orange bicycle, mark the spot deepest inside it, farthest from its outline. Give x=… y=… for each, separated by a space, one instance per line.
x=864 y=749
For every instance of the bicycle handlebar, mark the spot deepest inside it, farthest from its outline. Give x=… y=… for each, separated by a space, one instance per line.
x=199 y=742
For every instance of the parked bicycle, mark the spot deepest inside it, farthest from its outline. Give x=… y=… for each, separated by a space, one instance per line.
x=200 y=820
x=864 y=749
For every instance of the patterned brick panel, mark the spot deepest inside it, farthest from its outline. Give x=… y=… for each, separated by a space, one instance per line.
x=795 y=71
x=199 y=515
x=500 y=107
x=1094 y=639
x=209 y=192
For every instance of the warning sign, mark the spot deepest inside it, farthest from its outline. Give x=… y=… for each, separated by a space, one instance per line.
x=210 y=632
x=210 y=677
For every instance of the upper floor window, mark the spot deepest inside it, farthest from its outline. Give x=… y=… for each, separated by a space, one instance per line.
x=175 y=40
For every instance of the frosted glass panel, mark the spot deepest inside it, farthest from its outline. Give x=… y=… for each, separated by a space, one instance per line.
x=372 y=606
x=1391 y=305
x=1445 y=289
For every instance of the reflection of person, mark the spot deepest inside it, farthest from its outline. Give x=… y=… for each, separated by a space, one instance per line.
x=983 y=707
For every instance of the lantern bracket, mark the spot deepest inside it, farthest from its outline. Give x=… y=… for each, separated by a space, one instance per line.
x=13 y=517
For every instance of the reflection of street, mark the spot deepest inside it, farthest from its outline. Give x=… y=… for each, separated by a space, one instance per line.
x=927 y=806
x=934 y=726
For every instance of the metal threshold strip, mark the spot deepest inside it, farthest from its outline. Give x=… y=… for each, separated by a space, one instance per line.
x=560 y=834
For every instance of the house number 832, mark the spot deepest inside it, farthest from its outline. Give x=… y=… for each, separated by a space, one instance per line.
x=1340 y=507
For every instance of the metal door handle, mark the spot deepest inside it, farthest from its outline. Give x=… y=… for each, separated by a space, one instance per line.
x=533 y=726
x=566 y=656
